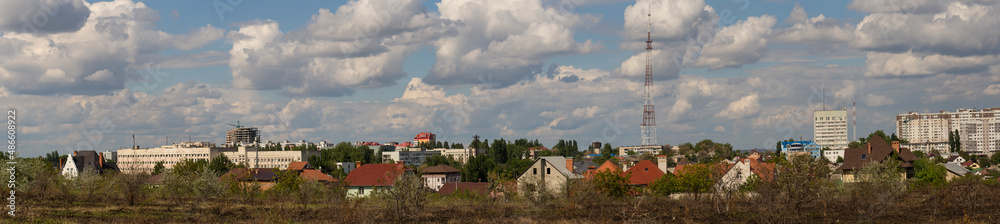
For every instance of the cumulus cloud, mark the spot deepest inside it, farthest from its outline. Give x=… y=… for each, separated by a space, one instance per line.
x=992 y=90
x=719 y=128
x=671 y=21
x=361 y=45
x=873 y=100
x=915 y=64
x=98 y=57
x=507 y=40
x=744 y=107
x=961 y=30
x=43 y=17
x=798 y=15
x=741 y=43
x=818 y=30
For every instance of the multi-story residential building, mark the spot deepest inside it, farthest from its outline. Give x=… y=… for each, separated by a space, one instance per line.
x=410 y=158
x=930 y=131
x=254 y=158
x=980 y=137
x=830 y=128
x=794 y=148
x=651 y=149
x=143 y=160
x=461 y=155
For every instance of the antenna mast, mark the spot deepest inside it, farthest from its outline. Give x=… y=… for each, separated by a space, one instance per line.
x=854 y=117
x=648 y=113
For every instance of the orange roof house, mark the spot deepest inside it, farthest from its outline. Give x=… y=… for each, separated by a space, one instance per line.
x=643 y=173
x=366 y=178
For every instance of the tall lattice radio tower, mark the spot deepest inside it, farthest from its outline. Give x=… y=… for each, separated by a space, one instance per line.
x=648 y=113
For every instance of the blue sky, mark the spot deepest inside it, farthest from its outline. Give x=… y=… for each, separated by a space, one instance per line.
x=97 y=72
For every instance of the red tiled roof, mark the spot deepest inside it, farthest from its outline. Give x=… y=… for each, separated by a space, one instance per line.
x=719 y=168
x=375 y=175
x=439 y=169
x=316 y=175
x=258 y=174
x=476 y=187
x=643 y=173
x=968 y=163
x=875 y=150
x=764 y=171
x=297 y=166
x=607 y=166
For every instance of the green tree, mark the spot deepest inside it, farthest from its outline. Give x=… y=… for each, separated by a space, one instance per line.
x=477 y=169
x=929 y=173
x=189 y=167
x=220 y=164
x=158 y=168
x=612 y=183
x=840 y=159
x=666 y=185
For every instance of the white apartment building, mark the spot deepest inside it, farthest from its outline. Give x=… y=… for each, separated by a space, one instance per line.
x=254 y=158
x=929 y=131
x=639 y=150
x=410 y=158
x=461 y=155
x=143 y=160
x=830 y=128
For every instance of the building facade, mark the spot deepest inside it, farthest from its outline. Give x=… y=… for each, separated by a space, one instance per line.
x=830 y=128
x=143 y=160
x=461 y=155
x=410 y=158
x=242 y=135
x=930 y=131
x=254 y=158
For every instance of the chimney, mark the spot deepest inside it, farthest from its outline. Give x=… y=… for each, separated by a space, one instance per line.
x=400 y=162
x=74 y=153
x=100 y=160
x=569 y=164
x=357 y=164
x=895 y=146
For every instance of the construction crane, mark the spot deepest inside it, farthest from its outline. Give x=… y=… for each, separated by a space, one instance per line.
x=237 y=125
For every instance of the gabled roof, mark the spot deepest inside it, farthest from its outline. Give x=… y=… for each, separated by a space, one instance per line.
x=764 y=171
x=155 y=179
x=580 y=167
x=559 y=163
x=476 y=187
x=440 y=169
x=956 y=169
x=968 y=163
x=718 y=168
x=607 y=166
x=875 y=150
x=643 y=173
x=89 y=160
x=316 y=175
x=298 y=166
x=375 y=175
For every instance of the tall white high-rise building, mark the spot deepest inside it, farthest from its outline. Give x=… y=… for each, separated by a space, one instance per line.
x=978 y=130
x=830 y=128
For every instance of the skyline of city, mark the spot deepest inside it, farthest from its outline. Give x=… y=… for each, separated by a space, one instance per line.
x=345 y=71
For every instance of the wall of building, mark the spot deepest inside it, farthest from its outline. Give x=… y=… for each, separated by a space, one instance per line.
x=540 y=172
x=830 y=128
x=436 y=181
x=143 y=160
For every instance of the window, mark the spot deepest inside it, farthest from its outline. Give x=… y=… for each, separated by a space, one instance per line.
x=534 y=171
x=548 y=170
x=863 y=156
x=361 y=190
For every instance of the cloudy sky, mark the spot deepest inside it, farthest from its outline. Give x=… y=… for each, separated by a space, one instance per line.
x=86 y=75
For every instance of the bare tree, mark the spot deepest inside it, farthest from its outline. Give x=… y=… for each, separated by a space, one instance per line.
x=132 y=187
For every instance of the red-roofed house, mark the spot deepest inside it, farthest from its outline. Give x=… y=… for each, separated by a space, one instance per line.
x=316 y=175
x=370 y=177
x=971 y=165
x=643 y=173
x=607 y=166
x=298 y=166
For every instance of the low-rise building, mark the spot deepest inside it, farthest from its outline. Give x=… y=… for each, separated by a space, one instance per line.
x=741 y=171
x=549 y=172
x=410 y=158
x=437 y=176
x=461 y=155
x=255 y=158
x=368 y=178
x=144 y=159
x=85 y=161
x=876 y=150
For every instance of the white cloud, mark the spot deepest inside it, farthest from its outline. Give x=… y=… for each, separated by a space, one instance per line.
x=96 y=58
x=992 y=90
x=362 y=45
x=960 y=29
x=741 y=43
x=719 y=128
x=744 y=107
x=507 y=40
x=671 y=21
x=818 y=30
x=798 y=15
x=873 y=100
x=914 y=64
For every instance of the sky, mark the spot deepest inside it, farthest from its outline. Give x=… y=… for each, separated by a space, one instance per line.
x=87 y=75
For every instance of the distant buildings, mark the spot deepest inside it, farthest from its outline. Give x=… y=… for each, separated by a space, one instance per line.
x=242 y=135
x=979 y=130
x=830 y=128
x=461 y=155
x=651 y=149
x=876 y=150
x=143 y=160
x=368 y=178
x=410 y=158
x=793 y=148
x=423 y=137
x=437 y=176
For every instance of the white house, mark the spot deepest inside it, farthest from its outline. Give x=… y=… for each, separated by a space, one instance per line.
x=437 y=176
x=552 y=172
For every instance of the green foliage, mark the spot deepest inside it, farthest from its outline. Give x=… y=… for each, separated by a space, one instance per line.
x=840 y=159
x=220 y=164
x=666 y=185
x=477 y=169
x=612 y=183
x=567 y=148
x=287 y=182
x=158 y=168
x=929 y=173
x=326 y=162
x=438 y=159
x=189 y=167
